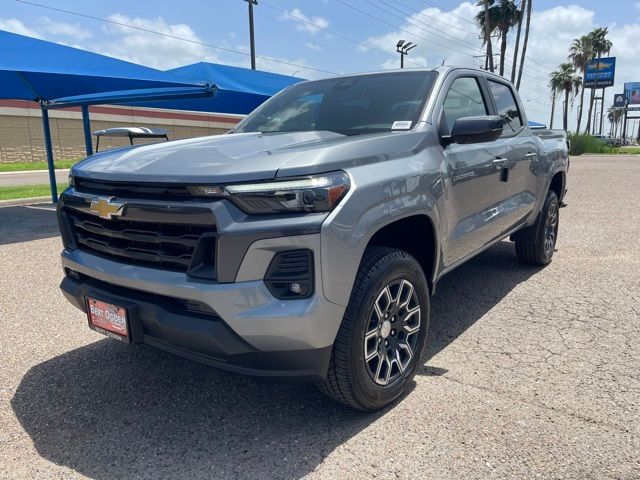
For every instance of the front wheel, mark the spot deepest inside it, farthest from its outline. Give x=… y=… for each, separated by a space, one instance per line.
x=539 y=249
x=383 y=333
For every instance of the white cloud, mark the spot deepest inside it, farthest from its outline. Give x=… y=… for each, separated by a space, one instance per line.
x=310 y=25
x=313 y=46
x=14 y=25
x=151 y=49
x=72 y=31
x=45 y=28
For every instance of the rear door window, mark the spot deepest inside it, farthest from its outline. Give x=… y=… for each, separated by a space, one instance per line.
x=507 y=106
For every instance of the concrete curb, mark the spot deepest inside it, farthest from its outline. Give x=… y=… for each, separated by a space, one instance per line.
x=15 y=202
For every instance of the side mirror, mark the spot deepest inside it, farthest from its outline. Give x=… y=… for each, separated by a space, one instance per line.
x=485 y=128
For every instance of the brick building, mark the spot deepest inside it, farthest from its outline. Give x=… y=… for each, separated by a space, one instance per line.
x=22 y=140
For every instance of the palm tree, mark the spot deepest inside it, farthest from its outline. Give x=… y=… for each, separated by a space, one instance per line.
x=611 y=113
x=580 y=53
x=565 y=81
x=614 y=115
x=515 y=50
x=600 y=45
x=502 y=17
x=524 y=44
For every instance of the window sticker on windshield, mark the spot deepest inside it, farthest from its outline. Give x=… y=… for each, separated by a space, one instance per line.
x=401 y=125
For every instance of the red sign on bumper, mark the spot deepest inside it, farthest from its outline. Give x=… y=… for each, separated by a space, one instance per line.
x=108 y=319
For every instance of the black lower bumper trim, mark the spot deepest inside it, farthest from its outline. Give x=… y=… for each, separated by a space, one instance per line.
x=168 y=324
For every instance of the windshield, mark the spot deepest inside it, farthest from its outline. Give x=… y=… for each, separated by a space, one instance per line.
x=348 y=105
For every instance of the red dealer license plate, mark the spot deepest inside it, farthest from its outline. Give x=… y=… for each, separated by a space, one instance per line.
x=108 y=319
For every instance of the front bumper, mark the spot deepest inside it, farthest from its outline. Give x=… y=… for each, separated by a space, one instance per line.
x=186 y=329
x=252 y=332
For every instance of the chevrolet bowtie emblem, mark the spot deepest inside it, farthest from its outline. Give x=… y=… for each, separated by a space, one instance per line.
x=107 y=207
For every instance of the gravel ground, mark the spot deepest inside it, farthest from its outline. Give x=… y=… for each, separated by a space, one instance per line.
x=529 y=374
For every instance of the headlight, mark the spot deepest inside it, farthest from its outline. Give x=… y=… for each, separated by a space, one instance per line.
x=318 y=193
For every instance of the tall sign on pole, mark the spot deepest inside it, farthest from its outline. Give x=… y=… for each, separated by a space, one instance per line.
x=632 y=103
x=600 y=73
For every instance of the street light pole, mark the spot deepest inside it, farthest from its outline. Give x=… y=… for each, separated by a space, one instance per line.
x=403 y=49
x=251 y=34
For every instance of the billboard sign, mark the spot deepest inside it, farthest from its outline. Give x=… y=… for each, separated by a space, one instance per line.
x=618 y=100
x=600 y=72
x=632 y=93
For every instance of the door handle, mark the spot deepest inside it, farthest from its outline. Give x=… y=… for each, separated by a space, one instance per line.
x=499 y=162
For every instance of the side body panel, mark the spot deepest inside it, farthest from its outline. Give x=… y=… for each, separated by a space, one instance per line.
x=381 y=193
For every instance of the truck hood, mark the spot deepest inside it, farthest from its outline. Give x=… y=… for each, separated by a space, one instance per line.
x=243 y=157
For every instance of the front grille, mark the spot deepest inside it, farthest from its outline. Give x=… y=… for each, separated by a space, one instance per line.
x=163 y=245
x=131 y=189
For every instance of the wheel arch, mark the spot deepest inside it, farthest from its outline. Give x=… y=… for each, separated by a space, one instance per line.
x=558 y=183
x=416 y=235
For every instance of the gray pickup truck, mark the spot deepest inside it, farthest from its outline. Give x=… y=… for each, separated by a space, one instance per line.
x=305 y=244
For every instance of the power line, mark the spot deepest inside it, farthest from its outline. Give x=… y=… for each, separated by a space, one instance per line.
x=529 y=76
x=175 y=37
x=433 y=4
x=461 y=42
x=455 y=40
x=420 y=12
x=448 y=12
x=402 y=29
x=333 y=32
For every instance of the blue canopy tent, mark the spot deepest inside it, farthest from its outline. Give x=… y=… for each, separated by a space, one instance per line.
x=238 y=90
x=58 y=76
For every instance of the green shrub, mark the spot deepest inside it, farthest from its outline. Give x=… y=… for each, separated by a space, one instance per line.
x=585 y=143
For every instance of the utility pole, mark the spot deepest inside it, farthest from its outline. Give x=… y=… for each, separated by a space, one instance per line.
x=403 y=49
x=251 y=35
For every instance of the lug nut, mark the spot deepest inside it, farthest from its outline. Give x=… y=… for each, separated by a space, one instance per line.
x=393 y=332
x=386 y=342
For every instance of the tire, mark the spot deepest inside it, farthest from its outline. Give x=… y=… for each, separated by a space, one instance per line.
x=538 y=248
x=393 y=281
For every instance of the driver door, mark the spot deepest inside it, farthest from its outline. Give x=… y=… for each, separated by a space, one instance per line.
x=473 y=185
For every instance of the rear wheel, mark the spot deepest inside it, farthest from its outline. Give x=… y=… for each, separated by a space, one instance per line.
x=383 y=333
x=538 y=250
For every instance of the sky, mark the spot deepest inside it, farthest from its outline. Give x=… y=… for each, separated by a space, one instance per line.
x=320 y=38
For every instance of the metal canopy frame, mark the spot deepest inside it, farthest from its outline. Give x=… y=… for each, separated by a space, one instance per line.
x=112 y=98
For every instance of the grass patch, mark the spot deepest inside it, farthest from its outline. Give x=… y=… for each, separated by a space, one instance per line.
x=629 y=150
x=585 y=143
x=26 y=166
x=27 y=191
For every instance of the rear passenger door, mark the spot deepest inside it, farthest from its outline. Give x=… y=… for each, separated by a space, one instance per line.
x=472 y=184
x=521 y=166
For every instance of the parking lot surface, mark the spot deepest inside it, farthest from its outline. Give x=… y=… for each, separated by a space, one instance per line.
x=529 y=373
